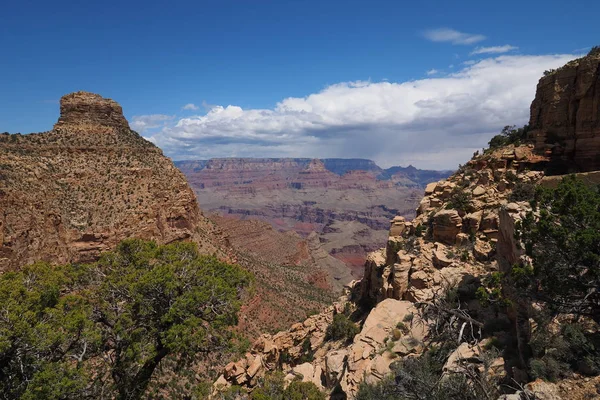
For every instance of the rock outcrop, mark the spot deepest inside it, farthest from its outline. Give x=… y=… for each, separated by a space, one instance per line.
x=565 y=115
x=68 y=194
x=333 y=363
x=459 y=226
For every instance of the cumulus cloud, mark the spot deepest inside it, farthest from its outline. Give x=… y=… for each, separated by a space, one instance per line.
x=142 y=123
x=453 y=36
x=494 y=49
x=430 y=123
x=190 y=106
x=432 y=71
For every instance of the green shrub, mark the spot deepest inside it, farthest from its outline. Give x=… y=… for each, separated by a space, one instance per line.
x=510 y=134
x=420 y=378
x=341 y=328
x=460 y=199
x=419 y=230
x=298 y=390
x=522 y=192
x=554 y=355
x=564 y=245
x=272 y=388
x=307 y=353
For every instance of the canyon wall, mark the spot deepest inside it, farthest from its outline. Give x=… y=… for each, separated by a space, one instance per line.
x=565 y=115
x=347 y=202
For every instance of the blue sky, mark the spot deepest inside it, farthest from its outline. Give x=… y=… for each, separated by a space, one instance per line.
x=156 y=57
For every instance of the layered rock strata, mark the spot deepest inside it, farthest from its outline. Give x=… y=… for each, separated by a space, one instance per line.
x=565 y=115
x=68 y=194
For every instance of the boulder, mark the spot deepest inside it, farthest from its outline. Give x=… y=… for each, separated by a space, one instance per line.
x=482 y=250
x=430 y=188
x=446 y=225
x=464 y=355
x=542 y=390
x=479 y=191
x=335 y=363
x=397 y=226
x=473 y=220
x=440 y=257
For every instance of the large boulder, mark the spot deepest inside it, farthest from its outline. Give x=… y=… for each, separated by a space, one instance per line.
x=446 y=225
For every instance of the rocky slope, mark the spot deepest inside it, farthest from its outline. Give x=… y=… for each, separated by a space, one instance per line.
x=77 y=190
x=348 y=202
x=463 y=233
x=443 y=247
x=565 y=115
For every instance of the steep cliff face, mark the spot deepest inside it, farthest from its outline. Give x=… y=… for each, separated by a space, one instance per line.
x=565 y=115
x=68 y=194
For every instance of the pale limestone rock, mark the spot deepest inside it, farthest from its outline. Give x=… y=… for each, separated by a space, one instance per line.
x=440 y=258
x=335 y=362
x=478 y=191
x=434 y=202
x=406 y=346
x=482 y=250
x=542 y=390
x=423 y=205
x=306 y=370
x=463 y=355
x=398 y=226
x=489 y=221
x=462 y=240
x=430 y=188
x=446 y=225
x=473 y=220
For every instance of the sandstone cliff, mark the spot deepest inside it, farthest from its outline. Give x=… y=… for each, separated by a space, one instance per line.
x=565 y=115
x=68 y=194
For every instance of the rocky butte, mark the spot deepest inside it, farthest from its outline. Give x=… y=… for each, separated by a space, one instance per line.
x=70 y=193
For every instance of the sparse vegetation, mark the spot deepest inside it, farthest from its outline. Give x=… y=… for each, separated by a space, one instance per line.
x=273 y=387
x=341 y=328
x=460 y=199
x=522 y=192
x=421 y=378
x=564 y=246
x=510 y=134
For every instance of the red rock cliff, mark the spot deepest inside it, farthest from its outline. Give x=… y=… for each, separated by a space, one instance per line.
x=565 y=115
x=70 y=193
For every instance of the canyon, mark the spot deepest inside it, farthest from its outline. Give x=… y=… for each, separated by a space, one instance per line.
x=437 y=274
x=439 y=287
x=348 y=203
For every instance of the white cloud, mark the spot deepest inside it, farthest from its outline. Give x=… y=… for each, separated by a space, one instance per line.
x=494 y=49
x=430 y=123
x=453 y=36
x=190 y=106
x=432 y=71
x=142 y=123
